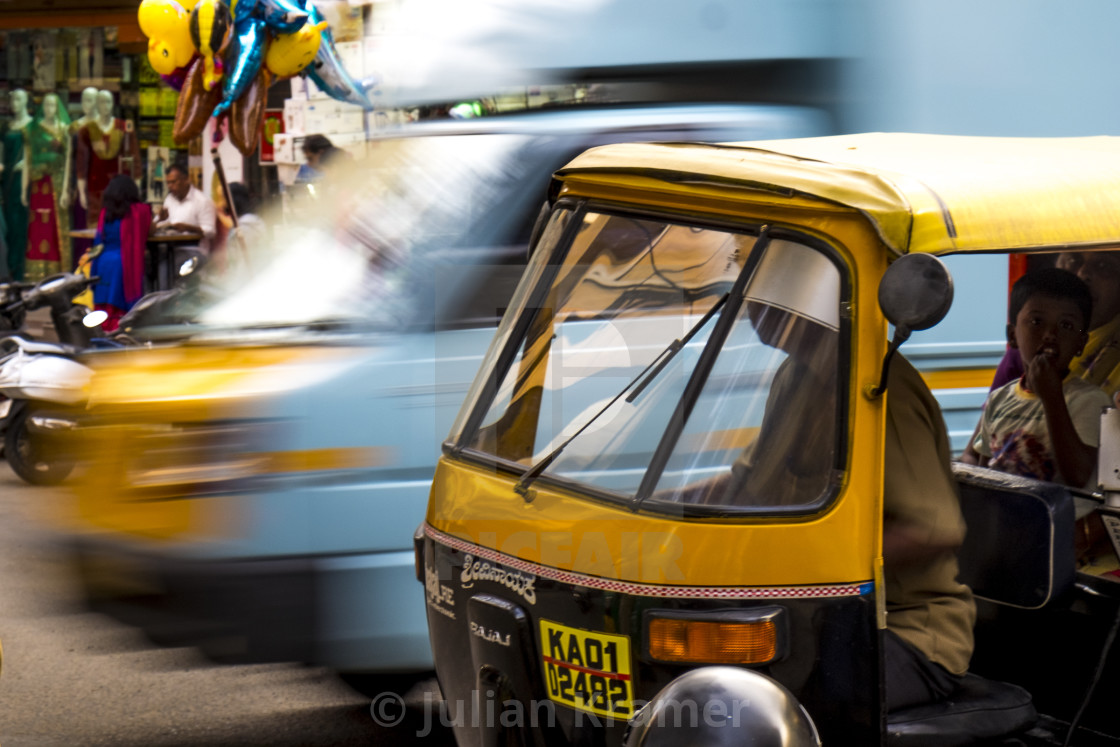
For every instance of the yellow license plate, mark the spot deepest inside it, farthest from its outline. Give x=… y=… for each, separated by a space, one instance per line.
x=587 y=671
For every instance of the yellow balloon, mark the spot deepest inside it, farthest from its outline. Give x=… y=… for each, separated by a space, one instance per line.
x=167 y=25
x=287 y=54
x=211 y=27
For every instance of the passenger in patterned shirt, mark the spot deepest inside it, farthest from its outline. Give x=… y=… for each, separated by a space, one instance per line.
x=1046 y=424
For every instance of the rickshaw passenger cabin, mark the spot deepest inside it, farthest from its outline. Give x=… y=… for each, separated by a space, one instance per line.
x=634 y=365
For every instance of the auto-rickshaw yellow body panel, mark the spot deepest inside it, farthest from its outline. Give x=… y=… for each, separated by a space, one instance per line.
x=560 y=531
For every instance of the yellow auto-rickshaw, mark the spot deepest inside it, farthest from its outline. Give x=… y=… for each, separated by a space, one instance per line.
x=659 y=516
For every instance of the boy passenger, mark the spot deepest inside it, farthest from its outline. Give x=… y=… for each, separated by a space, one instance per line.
x=1099 y=364
x=1046 y=424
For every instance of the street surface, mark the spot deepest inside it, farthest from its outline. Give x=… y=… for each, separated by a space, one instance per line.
x=72 y=677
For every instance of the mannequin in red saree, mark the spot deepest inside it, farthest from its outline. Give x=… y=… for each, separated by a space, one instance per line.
x=45 y=175
x=106 y=147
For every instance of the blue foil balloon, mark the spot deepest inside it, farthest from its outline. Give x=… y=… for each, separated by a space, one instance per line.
x=327 y=72
x=282 y=16
x=242 y=10
x=246 y=51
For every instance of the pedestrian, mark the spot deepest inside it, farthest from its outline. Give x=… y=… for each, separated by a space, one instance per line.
x=318 y=151
x=119 y=247
x=186 y=208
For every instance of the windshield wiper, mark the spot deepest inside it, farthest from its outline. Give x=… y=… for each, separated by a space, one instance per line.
x=639 y=383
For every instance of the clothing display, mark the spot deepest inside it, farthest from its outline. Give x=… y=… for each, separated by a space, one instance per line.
x=104 y=150
x=15 y=212
x=78 y=218
x=47 y=148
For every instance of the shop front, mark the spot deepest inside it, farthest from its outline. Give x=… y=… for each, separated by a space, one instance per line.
x=69 y=121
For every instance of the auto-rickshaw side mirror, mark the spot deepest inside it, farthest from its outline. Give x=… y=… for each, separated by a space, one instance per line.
x=915 y=293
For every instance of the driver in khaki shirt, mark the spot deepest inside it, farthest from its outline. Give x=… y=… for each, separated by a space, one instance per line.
x=930 y=614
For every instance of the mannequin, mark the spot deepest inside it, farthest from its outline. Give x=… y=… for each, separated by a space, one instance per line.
x=106 y=147
x=46 y=173
x=78 y=219
x=11 y=182
x=89 y=106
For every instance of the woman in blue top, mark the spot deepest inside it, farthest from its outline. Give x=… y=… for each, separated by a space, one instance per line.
x=122 y=232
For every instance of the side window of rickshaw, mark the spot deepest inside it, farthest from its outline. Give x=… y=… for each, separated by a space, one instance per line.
x=599 y=371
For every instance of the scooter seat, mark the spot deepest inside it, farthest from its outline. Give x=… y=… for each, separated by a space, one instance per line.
x=980 y=709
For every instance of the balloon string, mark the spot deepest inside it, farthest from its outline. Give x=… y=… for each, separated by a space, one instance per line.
x=224 y=185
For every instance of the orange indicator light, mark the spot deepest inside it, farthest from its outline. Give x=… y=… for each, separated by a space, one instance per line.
x=713 y=642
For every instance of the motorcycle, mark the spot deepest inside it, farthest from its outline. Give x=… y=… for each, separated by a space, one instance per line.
x=12 y=312
x=42 y=384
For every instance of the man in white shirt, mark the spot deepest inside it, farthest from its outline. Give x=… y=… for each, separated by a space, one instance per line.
x=186 y=208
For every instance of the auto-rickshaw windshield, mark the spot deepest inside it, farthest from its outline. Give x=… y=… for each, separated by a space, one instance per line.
x=359 y=246
x=624 y=314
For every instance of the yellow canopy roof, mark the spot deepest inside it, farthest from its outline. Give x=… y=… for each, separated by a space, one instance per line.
x=924 y=193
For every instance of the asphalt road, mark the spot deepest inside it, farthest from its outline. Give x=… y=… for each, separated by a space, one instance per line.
x=73 y=677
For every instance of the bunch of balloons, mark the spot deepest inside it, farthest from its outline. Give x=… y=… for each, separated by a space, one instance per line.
x=222 y=57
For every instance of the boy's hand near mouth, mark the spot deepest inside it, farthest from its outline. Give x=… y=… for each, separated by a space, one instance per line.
x=1045 y=425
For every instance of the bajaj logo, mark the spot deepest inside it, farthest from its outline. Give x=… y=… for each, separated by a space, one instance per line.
x=494 y=636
